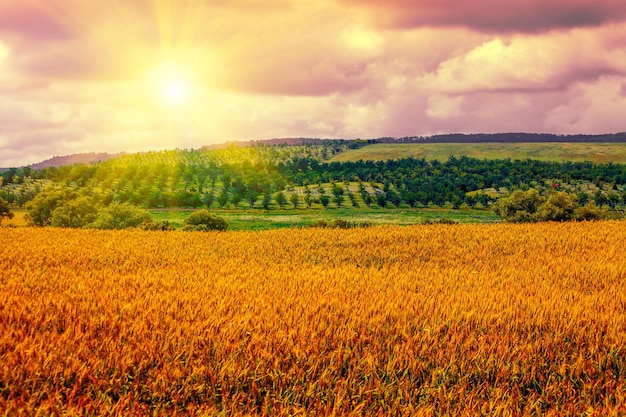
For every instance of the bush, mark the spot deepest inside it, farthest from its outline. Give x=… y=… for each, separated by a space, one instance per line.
x=203 y=220
x=41 y=208
x=78 y=212
x=156 y=226
x=120 y=216
x=525 y=202
x=319 y=223
x=439 y=221
x=5 y=210
x=590 y=213
x=529 y=206
x=558 y=207
x=340 y=224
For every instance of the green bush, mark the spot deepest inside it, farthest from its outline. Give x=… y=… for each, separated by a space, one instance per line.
x=77 y=212
x=203 y=220
x=529 y=206
x=319 y=223
x=5 y=210
x=590 y=213
x=440 y=221
x=120 y=216
x=41 y=208
x=156 y=226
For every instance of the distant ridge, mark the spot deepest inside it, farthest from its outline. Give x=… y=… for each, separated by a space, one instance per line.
x=503 y=137
x=90 y=158
x=77 y=158
x=443 y=138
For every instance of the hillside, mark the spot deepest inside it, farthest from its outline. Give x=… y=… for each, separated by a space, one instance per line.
x=77 y=158
x=597 y=152
x=444 y=140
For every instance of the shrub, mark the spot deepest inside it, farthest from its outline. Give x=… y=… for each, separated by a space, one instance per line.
x=591 y=212
x=439 y=221
x=203 y=220
x=120 y=216
x=5 y=210
x=156 y=226
x=319 y=223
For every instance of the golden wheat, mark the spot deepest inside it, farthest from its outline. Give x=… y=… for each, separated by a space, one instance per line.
x=426 y=320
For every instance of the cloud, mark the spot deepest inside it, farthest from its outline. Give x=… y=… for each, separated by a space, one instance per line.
x=530 y=63
x=492 y=16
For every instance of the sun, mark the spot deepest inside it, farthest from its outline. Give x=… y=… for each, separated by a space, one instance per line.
x=175 y=92
x=172 y=85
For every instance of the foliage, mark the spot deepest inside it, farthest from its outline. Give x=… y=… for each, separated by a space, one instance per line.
x=591 y=213
x=203 y=220
x=559 y=206
x=5 y=210
x=162 y=226
x=120 y=216
x=439 y=221
x=520 y=206
x=506 y=319
x=41 y=208
x=77 y=212
x=529 y=206
x=280 y=199
x=230 y=177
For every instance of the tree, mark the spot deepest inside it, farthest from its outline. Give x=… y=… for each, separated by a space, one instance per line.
x=5 y=210
x=471 y=200
x=204 y=220
x=41 y=207
x=236 y=199
x=325 y=200
x=78 y=212
x=338 y=199
x=120 y=216
x=295 y=200
x=222 y=199
x=267 y=199
x=280 y=199
x=308 y=200
x=251 y=197
x=381 y=200
x=209 y=199
x=558 y=207
x=520 y=206
x=590 y=213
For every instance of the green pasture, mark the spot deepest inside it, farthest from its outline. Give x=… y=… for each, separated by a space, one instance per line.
x=259 y=219
x=600 y=152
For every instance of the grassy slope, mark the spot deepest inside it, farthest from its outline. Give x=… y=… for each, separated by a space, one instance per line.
x=595 y=152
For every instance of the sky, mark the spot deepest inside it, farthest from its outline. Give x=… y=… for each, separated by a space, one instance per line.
x=136 y=75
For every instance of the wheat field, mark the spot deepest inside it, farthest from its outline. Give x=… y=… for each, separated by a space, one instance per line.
x=498 y=319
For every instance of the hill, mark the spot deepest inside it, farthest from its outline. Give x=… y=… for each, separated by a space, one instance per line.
x=596 y=152
x=78 y=158
x=352 y=144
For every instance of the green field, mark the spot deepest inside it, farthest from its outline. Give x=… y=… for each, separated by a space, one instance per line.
x=256 y=219
x=560 y=151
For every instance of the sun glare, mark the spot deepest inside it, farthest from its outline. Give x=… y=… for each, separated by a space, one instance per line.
x=175 y=92
x=172 y=84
